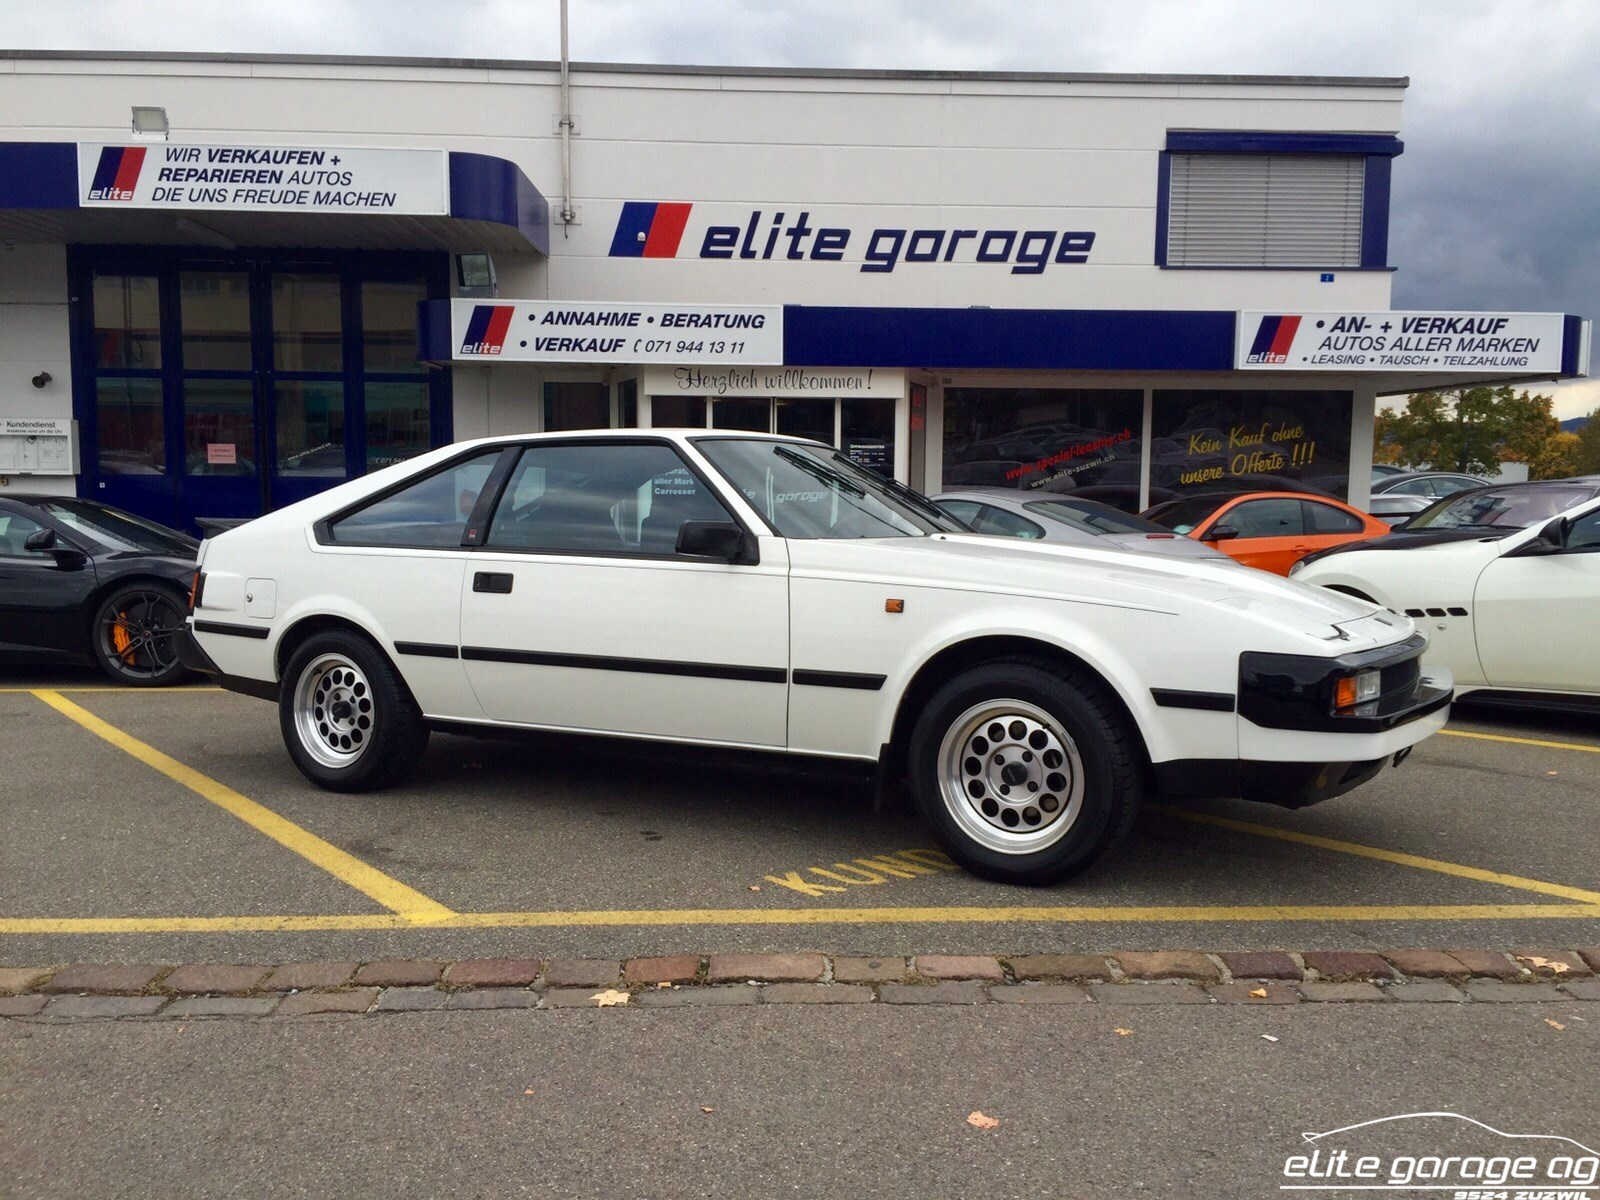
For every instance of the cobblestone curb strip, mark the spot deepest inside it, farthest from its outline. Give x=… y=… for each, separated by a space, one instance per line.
x=334 y=990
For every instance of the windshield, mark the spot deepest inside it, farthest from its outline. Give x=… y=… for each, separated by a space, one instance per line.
x=1505 y=509
x=119 y=530
x=1090 y=517
x=807 y=491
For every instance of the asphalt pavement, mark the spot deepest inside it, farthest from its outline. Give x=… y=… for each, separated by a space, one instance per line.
x=170 y=826
x=770 y=1101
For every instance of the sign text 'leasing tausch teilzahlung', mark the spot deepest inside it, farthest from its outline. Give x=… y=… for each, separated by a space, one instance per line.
x=592 y=331
x=1516 y=343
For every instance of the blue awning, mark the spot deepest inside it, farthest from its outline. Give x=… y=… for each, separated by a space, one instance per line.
x=481 y=203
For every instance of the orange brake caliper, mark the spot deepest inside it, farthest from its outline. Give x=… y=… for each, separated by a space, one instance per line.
x=120 y=639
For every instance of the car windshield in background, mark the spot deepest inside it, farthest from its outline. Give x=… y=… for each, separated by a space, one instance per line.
x=119 y=530
x=1506 y=509
x=1088 y=517
x=1181 y=516
x=807 y=491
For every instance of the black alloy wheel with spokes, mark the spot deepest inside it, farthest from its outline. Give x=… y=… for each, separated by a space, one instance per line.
x=136 y=632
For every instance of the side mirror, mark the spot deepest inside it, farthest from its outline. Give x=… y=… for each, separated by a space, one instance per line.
x=1219 y=533
x=721 y=540
x=1552 y=539
x=40 y=539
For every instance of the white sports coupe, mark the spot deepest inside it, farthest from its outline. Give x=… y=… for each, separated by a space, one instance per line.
x=1509 y=592
x=766 y=593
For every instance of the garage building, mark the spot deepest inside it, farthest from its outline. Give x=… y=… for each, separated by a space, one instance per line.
x=230 y=281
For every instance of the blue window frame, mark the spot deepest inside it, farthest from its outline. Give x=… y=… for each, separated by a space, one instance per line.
x=1377 y=150
x=290 y=385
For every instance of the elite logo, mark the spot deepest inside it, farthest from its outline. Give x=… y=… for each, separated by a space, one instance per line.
x=1274 y=336
x=486 y=332
x=649 y=230
x=116 y=175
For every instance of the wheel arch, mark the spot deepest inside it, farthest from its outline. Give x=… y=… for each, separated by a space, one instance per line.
x=307 y=627
x=960 y=656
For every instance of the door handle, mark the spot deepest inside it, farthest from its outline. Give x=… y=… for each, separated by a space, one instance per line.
x=492 y=581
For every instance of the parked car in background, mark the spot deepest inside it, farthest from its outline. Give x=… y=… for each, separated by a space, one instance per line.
x=1506 y=580
x=1043 y=516
x=1429 y=485
x=1269 y=530
x=766 y=593
x=86 y=583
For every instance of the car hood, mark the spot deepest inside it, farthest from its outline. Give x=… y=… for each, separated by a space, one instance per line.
x=1155 y=582
x=1419 y=539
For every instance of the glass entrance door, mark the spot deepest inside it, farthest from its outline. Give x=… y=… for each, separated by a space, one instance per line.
x=222 y=386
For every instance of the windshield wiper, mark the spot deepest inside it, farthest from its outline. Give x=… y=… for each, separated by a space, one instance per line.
x=820 y=472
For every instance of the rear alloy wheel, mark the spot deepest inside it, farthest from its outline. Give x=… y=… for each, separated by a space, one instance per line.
x=136 y=632
x=1027 y=774
x=347 y=718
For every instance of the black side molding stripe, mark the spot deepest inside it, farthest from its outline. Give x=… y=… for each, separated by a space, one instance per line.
x=642 y=666
x=1205 y=701
x=839 y=679
x=426 y=650
x=244 y=631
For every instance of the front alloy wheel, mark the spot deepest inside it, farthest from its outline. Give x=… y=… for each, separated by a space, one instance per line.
x=136 y=632
x=1010 y=776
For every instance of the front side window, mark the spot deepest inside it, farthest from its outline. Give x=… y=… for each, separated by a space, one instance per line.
x=600 y=498
x=1585 y=532
x=430 y=512
x=1001 y=523
x=807 y=491
x=1265 y=518
x=117 y=529
x=15 y=530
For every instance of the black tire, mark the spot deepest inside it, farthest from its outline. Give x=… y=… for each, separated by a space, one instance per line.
x=362 y=730
x=1100 y=786
x=135 y=632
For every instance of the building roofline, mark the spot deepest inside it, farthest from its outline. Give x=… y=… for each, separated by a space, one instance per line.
x=508 y=64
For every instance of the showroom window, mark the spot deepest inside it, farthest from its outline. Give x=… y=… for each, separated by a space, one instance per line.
x=1046 y=440
x=1241 y=441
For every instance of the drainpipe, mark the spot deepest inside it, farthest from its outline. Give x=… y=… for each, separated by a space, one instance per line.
x=567 y=215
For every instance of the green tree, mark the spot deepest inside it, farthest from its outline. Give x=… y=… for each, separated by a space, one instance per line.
x=1467 y=429
x=1557 y=458
x=1586 y=459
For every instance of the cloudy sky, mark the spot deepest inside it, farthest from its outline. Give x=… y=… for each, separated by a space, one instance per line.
x=1495 y=203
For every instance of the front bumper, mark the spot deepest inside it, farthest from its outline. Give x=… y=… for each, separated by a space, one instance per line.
x=1295 y=749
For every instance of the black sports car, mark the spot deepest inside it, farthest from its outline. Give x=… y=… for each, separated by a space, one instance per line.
x=82 y=582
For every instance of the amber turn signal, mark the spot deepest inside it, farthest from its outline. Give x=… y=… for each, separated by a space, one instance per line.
x=894 y=606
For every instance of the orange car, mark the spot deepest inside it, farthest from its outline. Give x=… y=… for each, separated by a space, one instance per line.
x=1270 y=530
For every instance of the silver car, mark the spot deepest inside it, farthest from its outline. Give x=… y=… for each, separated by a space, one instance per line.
x=1056 y=517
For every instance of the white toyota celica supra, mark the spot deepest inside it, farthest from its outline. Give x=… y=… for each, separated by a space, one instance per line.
x=741 y=590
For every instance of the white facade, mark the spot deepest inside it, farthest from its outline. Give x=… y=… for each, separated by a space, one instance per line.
x=894 y=164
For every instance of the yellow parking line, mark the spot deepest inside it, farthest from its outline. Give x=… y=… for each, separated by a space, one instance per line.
x=1389 y=856
x=387 y=891
x=108 y=687
x=1520 y=741
x=1018 y=914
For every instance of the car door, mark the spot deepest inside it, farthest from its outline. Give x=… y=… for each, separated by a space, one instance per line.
x=577 y=612
x=42 y=592
x=1271 y=533
x=1536 y=616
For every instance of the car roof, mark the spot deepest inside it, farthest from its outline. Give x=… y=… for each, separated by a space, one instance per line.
x=674 y=435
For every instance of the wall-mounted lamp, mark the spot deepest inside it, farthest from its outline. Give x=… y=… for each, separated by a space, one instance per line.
x=150 y=121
